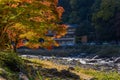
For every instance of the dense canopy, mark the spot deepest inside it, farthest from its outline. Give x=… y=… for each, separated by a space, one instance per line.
x=31 y=20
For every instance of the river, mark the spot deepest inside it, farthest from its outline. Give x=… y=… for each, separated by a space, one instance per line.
x=101 y=64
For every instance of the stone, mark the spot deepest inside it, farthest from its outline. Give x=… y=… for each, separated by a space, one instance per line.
x=66 y=73
x=71 y=68
x=93 y=78
x=95 y=57
x=53 y=70
x=22 y=76
x=92 y=61
x=117 y=60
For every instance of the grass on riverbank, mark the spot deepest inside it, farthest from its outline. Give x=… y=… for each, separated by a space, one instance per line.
x=83 y=73
x=50 y=65
x=10 y=65
x=99 y=75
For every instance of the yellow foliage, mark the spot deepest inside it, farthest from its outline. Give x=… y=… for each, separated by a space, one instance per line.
x=31 y=19
x=32 y=45
x=28 y=35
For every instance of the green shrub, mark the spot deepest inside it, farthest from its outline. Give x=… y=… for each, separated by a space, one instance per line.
x=11 y=61
x=109 y=51
x=99 y=75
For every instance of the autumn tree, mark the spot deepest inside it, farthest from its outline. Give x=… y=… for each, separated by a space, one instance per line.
x=30 y=19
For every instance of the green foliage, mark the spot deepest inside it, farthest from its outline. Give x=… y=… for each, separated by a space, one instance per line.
x=76 y=11
x=40 y=77
x=10 y=65
x=11 y=61
x=99 y=75
x=108 y=51
x=105 y=20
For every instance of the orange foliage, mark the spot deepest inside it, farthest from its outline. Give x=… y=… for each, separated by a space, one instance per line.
x=56 y=2
x=48 y=16
x=63 y=29
x=37 y=19
x=60 y=11
x=14 y=5
x=46 y=3
x=49 y=47
x=20 y=43
x=28 y=1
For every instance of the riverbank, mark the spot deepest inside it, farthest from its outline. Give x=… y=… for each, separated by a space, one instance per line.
x=13 y=67
x=99 y=64
x=83 y=73
x=29 y=67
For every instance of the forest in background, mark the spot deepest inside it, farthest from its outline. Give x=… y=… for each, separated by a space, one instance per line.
x=98 y=19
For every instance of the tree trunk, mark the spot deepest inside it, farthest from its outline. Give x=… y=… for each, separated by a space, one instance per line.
x=15 y=46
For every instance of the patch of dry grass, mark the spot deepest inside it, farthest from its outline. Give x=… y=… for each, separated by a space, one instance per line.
x=85 y=74
x=50 y=65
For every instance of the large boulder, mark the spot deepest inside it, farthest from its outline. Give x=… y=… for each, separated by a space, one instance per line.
x=71 y=68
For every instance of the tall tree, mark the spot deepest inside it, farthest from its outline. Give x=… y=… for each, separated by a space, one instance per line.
x=29 y=19
x=106 y=20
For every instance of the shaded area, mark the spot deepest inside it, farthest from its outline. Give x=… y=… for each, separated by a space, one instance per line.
x=34 y=69
x=80 y=51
